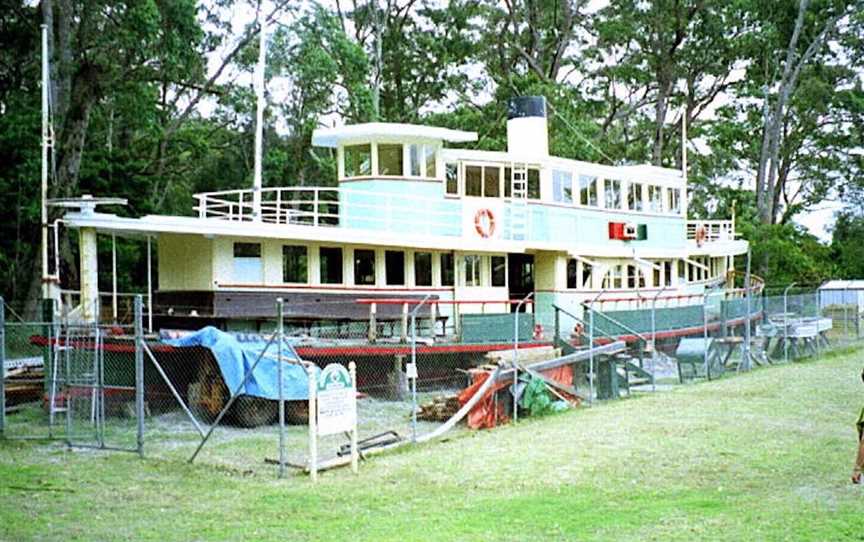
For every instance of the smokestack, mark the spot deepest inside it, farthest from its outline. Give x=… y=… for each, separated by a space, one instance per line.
x=527 y=132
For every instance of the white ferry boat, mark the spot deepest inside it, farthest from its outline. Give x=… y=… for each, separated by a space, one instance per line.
x=473 y=232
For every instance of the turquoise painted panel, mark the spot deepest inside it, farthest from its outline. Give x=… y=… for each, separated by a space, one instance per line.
x=579 y=226
x=393 y=206
x=481 y=328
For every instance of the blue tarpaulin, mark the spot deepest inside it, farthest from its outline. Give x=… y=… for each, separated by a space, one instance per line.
x=235 y=358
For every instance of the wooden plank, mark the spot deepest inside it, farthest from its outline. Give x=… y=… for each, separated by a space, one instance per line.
x=569 y=359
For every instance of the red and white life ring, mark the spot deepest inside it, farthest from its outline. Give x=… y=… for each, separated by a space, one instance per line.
x=484 y=223
x=701 y=235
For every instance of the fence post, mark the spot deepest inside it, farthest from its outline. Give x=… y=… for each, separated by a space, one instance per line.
x=280 y=306
x=705 y=335
x=139 y=373
x=786 y=323
x=313 y=422
x=3 y=367
x=412 y=374
x=516 y=357
x=355 y=455
x=745 y=350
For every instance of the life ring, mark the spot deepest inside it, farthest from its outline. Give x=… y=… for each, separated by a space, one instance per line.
x=538 y=332
x=701 y=235
x=484 y=223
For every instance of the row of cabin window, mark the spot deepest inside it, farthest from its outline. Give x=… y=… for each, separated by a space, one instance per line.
x=579 y=274
x=295 y=266
x=488 y=182
x=391 y=159
x=641 y=197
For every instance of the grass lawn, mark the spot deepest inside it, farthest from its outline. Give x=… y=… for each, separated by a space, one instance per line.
x=760 y=456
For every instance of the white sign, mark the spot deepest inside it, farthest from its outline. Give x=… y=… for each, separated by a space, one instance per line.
x=336 y=401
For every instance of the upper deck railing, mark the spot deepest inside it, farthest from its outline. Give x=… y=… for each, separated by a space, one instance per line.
x=711 y=230
x=329 y=207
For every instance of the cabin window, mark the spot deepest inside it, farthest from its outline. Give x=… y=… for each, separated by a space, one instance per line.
x=655 y=199
x=612 y=192
x=330 y=265
x=657 y=276
x=667 y=273
x=429 y=159
x=508 y=182
x=499 y=271
x=423 y=269
x=452 y=178
x=394 y=267
x=364 y=267
x=533 y=184
x=635 y=277
x=472 y=270
x=390 y=159
x=473 y=181
x=673 y=196
x=572 y=274
x=491 y=182
x=294 y=264
x=357 y=160
x=448 y=274
x=247 y=263
x=562 y=186
x=414 y=159
x=613 y=279
x=587 y=270
x=634 y=197
x=588 y=190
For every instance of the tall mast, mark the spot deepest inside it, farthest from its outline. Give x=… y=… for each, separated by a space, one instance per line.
x=46 y=143
x=259 y=116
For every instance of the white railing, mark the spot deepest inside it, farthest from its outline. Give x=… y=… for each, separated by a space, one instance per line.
x=714 y=230
x=316 y=206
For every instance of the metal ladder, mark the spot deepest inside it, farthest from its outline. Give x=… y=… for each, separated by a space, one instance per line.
x=518 y=223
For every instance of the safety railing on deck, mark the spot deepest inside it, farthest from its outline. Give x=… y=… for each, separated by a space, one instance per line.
x=708 y=231
x=317 y=206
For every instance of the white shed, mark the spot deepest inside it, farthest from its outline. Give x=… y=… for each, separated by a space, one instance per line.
x=841 y=293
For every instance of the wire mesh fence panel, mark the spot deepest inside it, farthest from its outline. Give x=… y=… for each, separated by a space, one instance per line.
x=27 y=380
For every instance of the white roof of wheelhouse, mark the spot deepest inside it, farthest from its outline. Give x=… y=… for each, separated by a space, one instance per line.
x=843 y=285
x=333 y=137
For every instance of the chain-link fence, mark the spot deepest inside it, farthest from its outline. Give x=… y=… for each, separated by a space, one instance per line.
x=241 y=400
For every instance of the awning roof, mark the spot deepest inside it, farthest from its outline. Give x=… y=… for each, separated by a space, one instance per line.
x=843 y=285
x=332 y=137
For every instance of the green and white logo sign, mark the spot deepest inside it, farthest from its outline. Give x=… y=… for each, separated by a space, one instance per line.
x=337 y=401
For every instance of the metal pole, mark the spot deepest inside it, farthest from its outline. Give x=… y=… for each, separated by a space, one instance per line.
x=46 y=136
x=355 y=455
x=139 y=374
x=591 y=347
x=114 y=276
x=259 y=117
x=746 y=347
x=654 y=337
x=3 y=367
x=413 y=369
x=413 y=374
x=516 y=357
x=705 y=334
x=149 y=288
x=786 y=323
x=845 y=312
x=313 y=423
x=280 y=306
